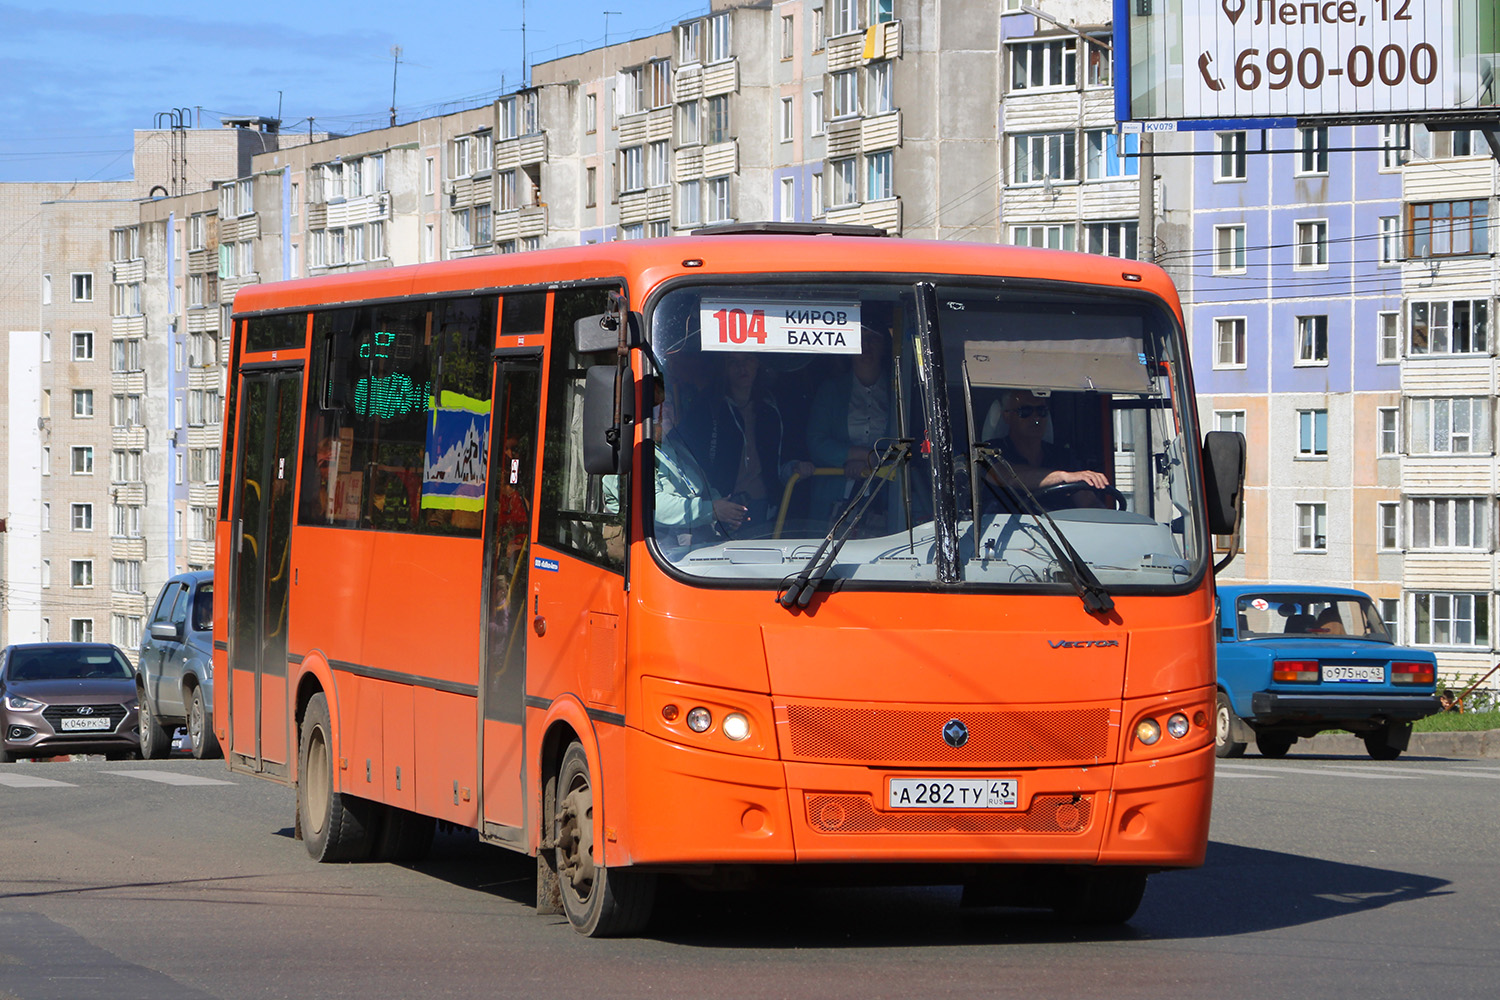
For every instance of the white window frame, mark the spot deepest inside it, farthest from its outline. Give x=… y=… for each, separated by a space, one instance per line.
x=1455 y=418
x=1046 y=235
x=81 y=286
x=82 y=461
x=1044 y=64
x=1450 y=524
x=1307 y=434
x=720 y=44
x=1388 y=526
x=880 y=176
x=81 y=574
x=1041 y=158
x=1390 y=240
x=81 y=517
x=1312 y=527
x=1310 y=245
x=1230 y=256
x=1443 y=334
x=787 y=120
x=881 y=88
x=1312 y=151
x=843 y=85
x=1235 y=328
x=1461 y=613
x=845 y=190
x=1312 y=341
x=1387 y=431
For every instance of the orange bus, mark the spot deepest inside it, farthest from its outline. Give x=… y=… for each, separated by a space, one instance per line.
x=758 y=553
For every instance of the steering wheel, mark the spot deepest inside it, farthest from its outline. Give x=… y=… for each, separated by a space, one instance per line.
x=1057 y=496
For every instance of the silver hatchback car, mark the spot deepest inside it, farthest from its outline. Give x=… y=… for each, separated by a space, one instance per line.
x=174 y=671
x=60 y=698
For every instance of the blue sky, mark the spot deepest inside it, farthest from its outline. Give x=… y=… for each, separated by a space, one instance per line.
x=80 y=76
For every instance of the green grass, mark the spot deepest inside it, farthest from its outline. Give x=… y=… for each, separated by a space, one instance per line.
x=1454 y=722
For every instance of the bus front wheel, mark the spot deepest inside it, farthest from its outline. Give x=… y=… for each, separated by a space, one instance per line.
x=598 y=902
x=335 y=826
x=1099 y=895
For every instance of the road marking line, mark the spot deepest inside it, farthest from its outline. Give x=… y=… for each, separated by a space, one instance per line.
x=1231 y=769
x=1368 y=773
x=31 y=781
x=1243 y=774
x=170 y=778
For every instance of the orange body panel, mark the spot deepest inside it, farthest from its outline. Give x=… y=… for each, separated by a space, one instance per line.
x=389 y=625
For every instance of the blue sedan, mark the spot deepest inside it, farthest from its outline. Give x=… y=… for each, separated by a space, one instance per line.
x=1296 y=661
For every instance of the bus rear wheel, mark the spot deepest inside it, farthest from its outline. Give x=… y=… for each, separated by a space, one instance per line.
x=598 y=902
x=1099 y=895
x=335 y=826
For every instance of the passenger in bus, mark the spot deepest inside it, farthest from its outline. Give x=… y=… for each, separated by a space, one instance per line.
x=1039 y=463
x=738 y=440
x=851 y=412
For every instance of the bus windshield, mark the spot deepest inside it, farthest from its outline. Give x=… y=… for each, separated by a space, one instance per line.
x=795 y=413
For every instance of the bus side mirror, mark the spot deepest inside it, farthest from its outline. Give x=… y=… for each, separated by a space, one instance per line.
x=1224 y=479
x=600 y=332
x=606 y=444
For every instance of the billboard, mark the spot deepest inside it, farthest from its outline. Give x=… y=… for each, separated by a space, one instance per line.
x=1267 y=59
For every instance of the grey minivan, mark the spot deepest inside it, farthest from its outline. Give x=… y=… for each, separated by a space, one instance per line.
x=174 y=673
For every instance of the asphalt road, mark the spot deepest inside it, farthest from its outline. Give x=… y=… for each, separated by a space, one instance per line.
x=1328 y=876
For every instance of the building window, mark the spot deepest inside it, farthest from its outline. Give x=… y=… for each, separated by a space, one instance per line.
x=125 y=575
x=463 y=162
x=717 y=112
x=788 y=37
x=125 y=521
x=659 y=82
x=83 y=516
x=882 y=11
x=882 y=96
x=1388 y=344
x=688 y=131
x=879 y=181
x=689 y=39
x=844 y=87
x=1388 y=431
x=82 y=573
x=1312 y=244
x=1312 y=433
x=1449 y=228
x=506 y=187
x=1112 y=239
x=1229 y=249
x=81 y=629
x=1395 y=146
x=718 y=199
x=1390 y=614
x=843 y=17
x=1037 y=65
x=483 y=225
x=1045 y=156
x=83 y=403
x=1312 y=527
x=630 y=231
x=815 y=113
x=818 y=32
x=1451 y=619
x=83 y=286
x=816 y=198
x=125 y=466
x=1109 y=156
x=1450 y=425
x=83 y=460
x=1458 y=326
x=1388 y=526
x=127 y=630
x=689 y=203
x=590 y=187
x=1054 y=236
x=788 y=120
x=125 y=243
x=718 y=38
x=632 y=169
x=1229 y=342
x=845 y=191
x=1312 y=150
x=788 y=199
x=1390 y=240
x=83 y=345
x=1450 y=523
x=1312 y=340
x=657 y=165
x=1229 y=420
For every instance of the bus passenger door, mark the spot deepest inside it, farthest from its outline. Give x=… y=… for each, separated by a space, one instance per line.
x=261 y=568
x=507 y=555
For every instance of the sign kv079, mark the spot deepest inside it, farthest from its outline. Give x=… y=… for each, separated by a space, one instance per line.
x=1205 y=59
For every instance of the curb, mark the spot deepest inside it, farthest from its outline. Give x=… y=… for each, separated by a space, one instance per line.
x=1468 y=745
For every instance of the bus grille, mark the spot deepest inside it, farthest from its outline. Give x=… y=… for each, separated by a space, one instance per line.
x=915 y=736
x=857 y=814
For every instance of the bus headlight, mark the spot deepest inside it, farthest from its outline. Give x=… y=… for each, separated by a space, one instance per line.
x=699 y=719
x=736 y=726
x=1148 y=731
x=1177 y=726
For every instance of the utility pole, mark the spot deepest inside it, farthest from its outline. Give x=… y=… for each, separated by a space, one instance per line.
x=395 y=65
x=1146 y=227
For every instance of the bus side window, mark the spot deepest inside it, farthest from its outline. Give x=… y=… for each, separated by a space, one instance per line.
x=579 y=513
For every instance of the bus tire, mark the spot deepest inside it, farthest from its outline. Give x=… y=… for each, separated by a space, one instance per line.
x=200 y=727
x=156 y=742
x=597 y=901
x=1100 y=895
x=1274 y=744
x=1224 y=743
x=335 y=826
x=404 y=836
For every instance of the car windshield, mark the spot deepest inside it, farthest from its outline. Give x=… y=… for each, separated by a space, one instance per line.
x=790 y=412
x=1312 y=616
x=68 y=665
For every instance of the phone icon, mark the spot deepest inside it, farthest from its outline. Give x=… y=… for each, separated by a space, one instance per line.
x=1214 y=83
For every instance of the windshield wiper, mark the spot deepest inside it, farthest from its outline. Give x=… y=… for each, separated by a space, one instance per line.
x=1096 y=599
x=800 y=591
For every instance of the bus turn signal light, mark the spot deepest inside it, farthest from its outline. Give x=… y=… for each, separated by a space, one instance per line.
x=1295 y=671
x=1412 y=673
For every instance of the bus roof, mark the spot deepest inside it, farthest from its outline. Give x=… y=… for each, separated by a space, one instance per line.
x=645 y=263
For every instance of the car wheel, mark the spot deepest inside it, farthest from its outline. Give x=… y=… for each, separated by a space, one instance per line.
x=201 y=728
x=335 y=826
x=156 y=742
x=1274 y=744
x=598 y=902
x=1099 y=895
x=1223 y=727
x=1377 y=747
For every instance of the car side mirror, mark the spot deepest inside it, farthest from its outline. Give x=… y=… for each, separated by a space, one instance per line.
x=170 y=631
x=1224 y=479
